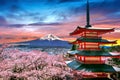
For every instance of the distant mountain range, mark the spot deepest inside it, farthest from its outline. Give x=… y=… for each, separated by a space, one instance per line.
x=47 y=41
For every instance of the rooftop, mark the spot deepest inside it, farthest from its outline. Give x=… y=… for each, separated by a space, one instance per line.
x=100 y=40
x=79 y=30
x=75 y=65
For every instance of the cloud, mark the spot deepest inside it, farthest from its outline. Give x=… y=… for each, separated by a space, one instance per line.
x=3 y=20
x=64 y=1
x=11 y=25
x=109 y=22
x=98 y=7
x=7 y=36
x=2 y=2
x=45 y=24
x=106 y=7
x=3 y=23
x=8 y=4
x=114 y=35
x=0 y=37
x=25 y=38
x=107 y=12
x=15 y=25
x=15 y=8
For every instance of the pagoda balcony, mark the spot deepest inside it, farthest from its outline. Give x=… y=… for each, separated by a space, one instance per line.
x=90 y=59
x=95 y=37
x=99 y=75
x=95 y=49
x=93 y=62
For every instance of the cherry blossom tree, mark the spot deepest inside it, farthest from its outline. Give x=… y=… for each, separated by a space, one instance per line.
x=33 y=65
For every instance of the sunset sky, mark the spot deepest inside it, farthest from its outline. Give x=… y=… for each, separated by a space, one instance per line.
x=28 y=19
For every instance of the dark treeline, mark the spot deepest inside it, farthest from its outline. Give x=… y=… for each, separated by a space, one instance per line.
x=114 y=48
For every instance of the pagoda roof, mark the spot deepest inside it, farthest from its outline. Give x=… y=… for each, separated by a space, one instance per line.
x=79 y=30
x=95 y=40
x=96 y=53
x=76 y=65
x=73 y=52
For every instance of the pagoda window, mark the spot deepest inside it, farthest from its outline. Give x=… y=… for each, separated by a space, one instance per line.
x=79 y=58
x=76 y=56
x=94 y=60
x=81 y=45
x=81 y=34
x=91 y=59
x=82 y=58
x=89 y=45
x=92 y=45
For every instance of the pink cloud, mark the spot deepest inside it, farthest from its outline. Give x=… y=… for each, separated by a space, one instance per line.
x=61 y=30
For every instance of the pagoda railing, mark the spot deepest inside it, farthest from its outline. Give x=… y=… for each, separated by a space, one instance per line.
x=94 y=62
x=91 y=62
x=96 y=49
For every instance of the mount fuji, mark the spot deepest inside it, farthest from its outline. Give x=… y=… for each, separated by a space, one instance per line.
x=50 y=37
x=48 y=41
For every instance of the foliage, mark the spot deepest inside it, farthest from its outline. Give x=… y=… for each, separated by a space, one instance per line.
x=33 y=65
x=116 y=61
x=114 y=48
x=74 y=47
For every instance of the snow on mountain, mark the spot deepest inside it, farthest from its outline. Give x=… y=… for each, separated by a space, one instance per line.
x=50 y=37
x=46 y=41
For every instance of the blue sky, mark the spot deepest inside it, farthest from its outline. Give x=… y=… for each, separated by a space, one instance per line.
x=53 y=16
x=33 y=11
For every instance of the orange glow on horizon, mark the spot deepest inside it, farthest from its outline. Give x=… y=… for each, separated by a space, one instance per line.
x=19 y=34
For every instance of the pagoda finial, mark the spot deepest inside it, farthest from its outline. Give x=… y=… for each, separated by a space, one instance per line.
x=87 y=15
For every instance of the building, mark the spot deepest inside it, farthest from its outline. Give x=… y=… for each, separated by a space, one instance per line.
x=89 y=56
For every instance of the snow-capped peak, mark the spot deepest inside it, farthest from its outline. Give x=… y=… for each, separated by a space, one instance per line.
x=50 y=37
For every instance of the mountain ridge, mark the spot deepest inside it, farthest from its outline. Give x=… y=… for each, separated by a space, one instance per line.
x=47 y=41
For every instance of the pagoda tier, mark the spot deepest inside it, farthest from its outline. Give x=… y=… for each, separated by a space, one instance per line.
x=80 y=31
x=99 y=70
x=92 y=67
x=86 y=43
x=93 y=40
x=90 y=59
x=93 y=57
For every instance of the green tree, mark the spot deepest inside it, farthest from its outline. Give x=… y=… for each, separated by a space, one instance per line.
x=74 y=47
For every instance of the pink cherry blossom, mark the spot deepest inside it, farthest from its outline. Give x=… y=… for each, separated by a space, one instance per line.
x=32 y=65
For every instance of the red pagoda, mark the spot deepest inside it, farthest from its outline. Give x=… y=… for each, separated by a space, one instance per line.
x=89 y=56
